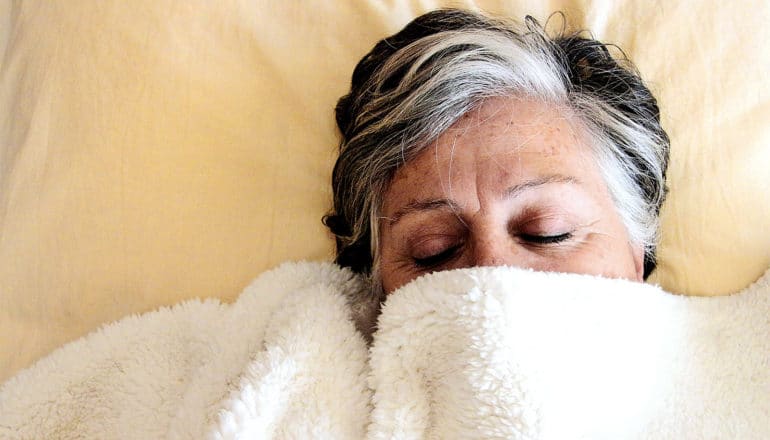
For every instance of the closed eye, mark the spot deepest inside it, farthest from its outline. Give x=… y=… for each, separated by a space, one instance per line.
x=436 y=259
x=545 y=239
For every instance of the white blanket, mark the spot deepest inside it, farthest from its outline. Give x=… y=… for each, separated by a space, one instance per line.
x=475 y=353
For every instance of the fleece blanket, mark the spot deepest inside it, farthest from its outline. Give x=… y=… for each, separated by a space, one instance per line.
x=472 y=353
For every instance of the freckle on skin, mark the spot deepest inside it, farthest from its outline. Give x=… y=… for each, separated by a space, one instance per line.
x=489 y=154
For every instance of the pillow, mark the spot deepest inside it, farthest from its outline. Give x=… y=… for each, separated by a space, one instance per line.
x=158 y=150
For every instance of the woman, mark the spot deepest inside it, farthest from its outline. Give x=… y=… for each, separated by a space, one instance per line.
x=469 y=141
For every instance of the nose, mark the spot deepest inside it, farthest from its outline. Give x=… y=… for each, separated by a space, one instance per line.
x=496 y=250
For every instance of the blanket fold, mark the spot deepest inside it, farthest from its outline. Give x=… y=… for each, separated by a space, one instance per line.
x=501 y=353
x=472 y=353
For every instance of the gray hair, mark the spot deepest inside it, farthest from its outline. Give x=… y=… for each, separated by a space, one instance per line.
x=415 y=84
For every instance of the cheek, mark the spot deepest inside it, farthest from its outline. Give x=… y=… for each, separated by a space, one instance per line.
x=392 y=277
x=607 y=251
x=608 y=256
x=391 y=271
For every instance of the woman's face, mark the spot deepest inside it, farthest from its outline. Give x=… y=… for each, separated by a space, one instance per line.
x=512 y=183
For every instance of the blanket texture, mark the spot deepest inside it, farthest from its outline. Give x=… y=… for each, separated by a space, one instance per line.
x=472 y=353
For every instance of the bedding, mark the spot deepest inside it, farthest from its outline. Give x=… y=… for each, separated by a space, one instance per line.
x=471 y=353
x=153 y=151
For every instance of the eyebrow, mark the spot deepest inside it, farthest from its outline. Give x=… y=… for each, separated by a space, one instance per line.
x=511 y=192
x=423 y=205
x=515 y=190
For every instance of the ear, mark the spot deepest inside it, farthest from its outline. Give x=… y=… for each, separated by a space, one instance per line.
x=637 y=252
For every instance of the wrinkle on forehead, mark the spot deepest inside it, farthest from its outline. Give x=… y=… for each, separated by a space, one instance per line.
x=533 y=132
x=502 y=117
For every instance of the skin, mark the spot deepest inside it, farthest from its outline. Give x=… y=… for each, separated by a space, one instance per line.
x=512 y=183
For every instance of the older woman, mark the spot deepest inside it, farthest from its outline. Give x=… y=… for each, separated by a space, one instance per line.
x=470 y=141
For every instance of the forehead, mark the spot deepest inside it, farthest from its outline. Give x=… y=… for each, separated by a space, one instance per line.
x=517 y=121
x=505 y=140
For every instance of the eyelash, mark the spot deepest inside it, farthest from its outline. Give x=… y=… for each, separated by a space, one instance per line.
x=546 y=239
x=446 y=254
x=436 y=259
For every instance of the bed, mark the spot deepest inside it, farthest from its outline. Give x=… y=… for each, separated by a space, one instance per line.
x=157 y=150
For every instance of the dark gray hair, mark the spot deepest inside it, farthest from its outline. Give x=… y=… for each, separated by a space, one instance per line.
x=414 y=85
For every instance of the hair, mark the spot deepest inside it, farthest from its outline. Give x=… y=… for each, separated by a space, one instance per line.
x=414 y=85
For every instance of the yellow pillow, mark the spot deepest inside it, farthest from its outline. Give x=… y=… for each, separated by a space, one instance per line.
x=157 y=150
